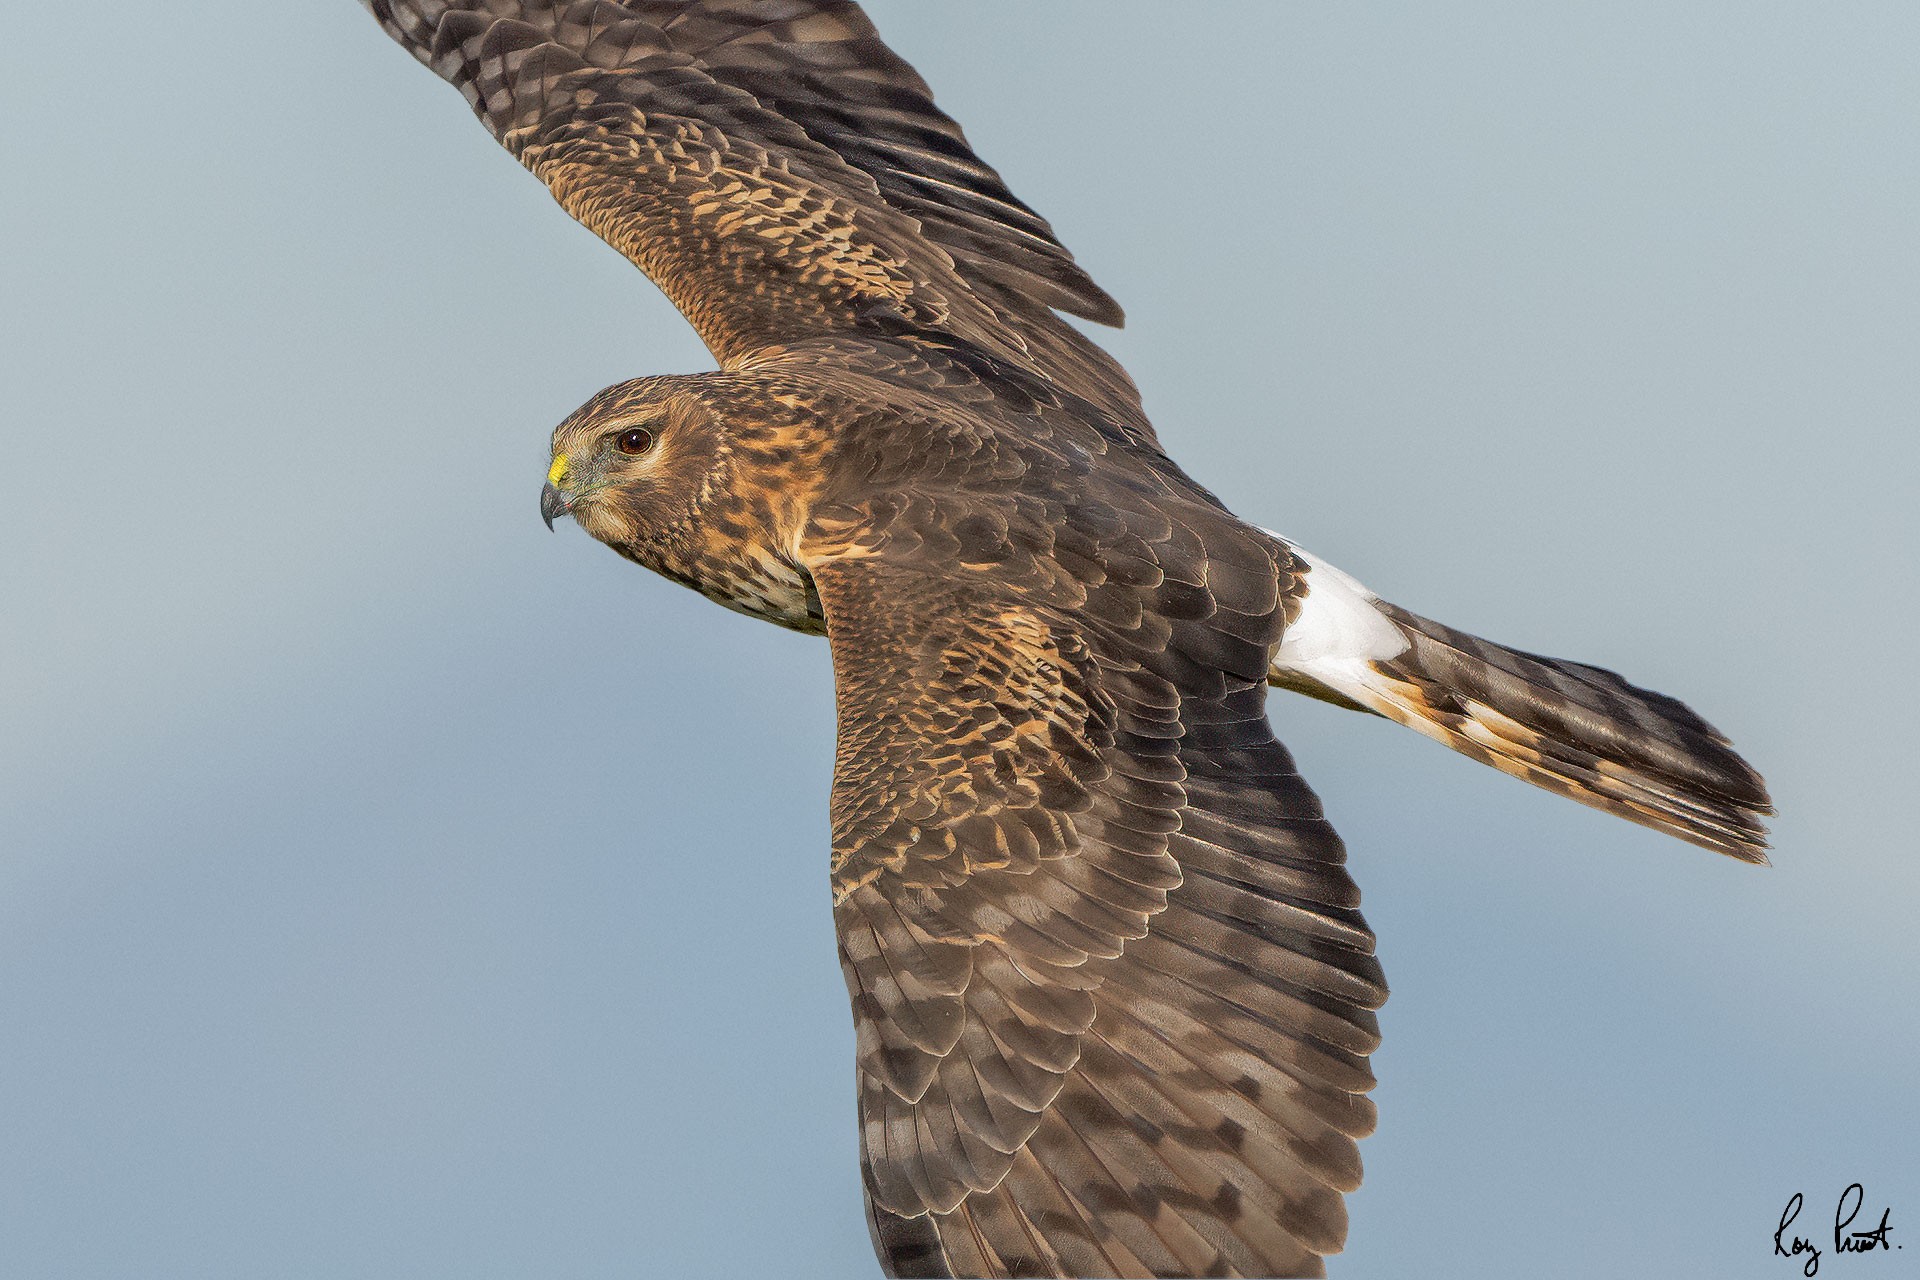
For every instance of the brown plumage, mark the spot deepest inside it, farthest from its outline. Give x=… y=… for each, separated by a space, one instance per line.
x=1113 y=997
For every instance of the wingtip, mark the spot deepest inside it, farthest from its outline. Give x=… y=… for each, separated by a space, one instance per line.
x=1102 y=309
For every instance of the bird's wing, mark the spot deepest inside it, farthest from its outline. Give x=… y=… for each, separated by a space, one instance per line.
x=775 y=168
x=1112 y=991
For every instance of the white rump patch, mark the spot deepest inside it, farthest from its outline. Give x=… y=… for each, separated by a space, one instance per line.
x=1339 y=632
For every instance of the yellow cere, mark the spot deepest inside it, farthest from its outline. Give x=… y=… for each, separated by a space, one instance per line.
x=557 y=473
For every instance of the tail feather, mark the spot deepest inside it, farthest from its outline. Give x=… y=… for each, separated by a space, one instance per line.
x=1574 y=729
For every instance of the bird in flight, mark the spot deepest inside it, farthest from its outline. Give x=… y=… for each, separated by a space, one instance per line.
x=1113 y=997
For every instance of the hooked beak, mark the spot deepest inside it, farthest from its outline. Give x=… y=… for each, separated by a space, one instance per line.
x=553 y=503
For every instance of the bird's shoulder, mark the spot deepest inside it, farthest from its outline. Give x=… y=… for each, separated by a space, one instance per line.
x=925 y=412
x=941 y=462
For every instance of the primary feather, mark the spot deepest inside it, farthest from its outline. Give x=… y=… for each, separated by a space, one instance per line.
x=1112 y=993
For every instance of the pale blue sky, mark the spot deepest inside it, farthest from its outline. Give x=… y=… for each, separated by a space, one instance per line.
x=391 y=889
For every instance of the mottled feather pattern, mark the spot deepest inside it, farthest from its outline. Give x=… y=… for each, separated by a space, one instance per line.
x=774 y=168
x=1112 y=994
x=1216 y=1144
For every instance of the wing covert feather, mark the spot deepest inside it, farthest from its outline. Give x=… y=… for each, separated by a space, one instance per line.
x=1155 y=1061
x=775 y=169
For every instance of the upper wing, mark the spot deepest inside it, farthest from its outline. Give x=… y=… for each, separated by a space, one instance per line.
x=774 y=168
x=1112 y=990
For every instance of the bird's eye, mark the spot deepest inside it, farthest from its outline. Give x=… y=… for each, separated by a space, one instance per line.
x=635 y=441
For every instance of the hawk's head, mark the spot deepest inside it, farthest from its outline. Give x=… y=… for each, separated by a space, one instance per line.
x=629 y=465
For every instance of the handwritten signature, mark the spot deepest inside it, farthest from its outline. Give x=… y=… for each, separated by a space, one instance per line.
x=1844 y=1241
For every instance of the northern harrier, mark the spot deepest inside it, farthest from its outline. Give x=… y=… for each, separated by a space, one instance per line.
x=1112 y=993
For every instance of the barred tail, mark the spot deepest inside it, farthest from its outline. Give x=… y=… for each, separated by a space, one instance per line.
x=1565 y=726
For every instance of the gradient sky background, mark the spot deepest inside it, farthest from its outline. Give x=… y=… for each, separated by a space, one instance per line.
x=389 y=888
